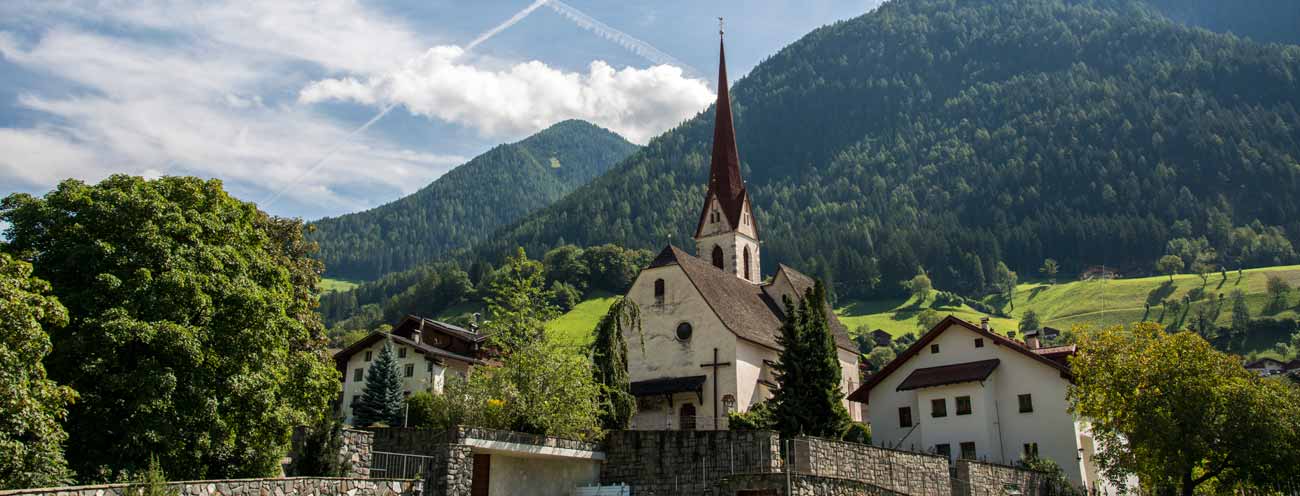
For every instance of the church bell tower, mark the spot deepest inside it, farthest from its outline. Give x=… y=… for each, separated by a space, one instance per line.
x=727 y=235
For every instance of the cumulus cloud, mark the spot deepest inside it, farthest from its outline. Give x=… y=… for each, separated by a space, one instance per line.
x=445 y=84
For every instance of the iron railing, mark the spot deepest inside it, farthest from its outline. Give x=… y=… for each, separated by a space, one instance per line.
x=385 y=465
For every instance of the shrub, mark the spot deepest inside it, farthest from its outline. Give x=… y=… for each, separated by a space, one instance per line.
x=758 y=418
x=857 y=432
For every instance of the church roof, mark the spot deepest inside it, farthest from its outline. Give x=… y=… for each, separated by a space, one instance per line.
x=724 y=166
x=744 y=307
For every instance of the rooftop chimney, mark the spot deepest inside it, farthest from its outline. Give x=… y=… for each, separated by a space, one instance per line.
x=473 y=322
x=984 y=323
x=417 y=333
x=1011 y=334
x=1031 y=339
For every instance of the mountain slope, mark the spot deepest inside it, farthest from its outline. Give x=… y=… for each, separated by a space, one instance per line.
x=957 y=134
x=1276 y=21
x=468 y=203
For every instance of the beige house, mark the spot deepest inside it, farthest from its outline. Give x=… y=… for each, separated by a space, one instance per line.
x=426 y=351
x=710 y=323
x=964 y=391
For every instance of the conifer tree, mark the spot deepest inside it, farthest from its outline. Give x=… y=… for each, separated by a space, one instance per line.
x=609 y=355
x=809 y=400
x=381 y=400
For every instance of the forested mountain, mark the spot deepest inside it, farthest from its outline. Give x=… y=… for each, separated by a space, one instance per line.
x=1262 y=20
x=956 y=135
x=467 y=204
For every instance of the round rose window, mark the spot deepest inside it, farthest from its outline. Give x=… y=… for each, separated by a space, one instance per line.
x=684 y=331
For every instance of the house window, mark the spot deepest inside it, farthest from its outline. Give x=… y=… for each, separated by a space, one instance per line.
x=410 y=370
x=358 y=374
x=968 y=450
x=368 y=355
x=1026 y=403
x=715 y=216
x=659 y=291
x=401 y=352
x=747 y=278
x=428 y=366
x=938 y=408
x=717 y=256
x=905 y=417
x=963 y=405
x=1030 y=451
x=934 y=348
x=943 y=449
x=979 y=343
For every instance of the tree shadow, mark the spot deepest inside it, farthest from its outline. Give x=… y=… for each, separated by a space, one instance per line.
x=1159 y=293
x=1034 y=292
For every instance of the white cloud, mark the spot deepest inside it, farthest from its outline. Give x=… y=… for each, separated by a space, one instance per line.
x=526 y=97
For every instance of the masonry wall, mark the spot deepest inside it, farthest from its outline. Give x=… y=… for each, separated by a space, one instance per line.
x=451 y=471
x=295 y=486
x=983 y=479
x=357 y=453
x=900 y=471
x=685 y=462
x=800 y=485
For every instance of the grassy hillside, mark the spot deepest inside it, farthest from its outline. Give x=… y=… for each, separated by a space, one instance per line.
x=575 y=326
x=328 y=285
x=898 y=317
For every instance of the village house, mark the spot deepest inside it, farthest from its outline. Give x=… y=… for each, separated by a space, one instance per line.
x=426 y=351
x=1271 y=366
x=964 y=391
x=710 y=323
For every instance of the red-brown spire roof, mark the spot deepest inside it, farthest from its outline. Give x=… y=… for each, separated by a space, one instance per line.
x=724 y=167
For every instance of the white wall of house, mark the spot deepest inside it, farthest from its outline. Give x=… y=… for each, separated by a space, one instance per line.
x=996 y=424
x=425 y=375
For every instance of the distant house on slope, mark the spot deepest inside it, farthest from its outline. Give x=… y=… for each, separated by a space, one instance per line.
x=426 y=351
x=966 y=392
x=1268 y=366
x=881 y=338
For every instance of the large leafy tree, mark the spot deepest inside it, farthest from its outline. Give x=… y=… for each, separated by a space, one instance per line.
x=1178 y=414
x=609 y=357
x=31 y=405
x=809 y=400
x=192 y=334
x=381 y=399
x=519 y=304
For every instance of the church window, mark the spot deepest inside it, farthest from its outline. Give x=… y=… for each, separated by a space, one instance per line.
x=715 y=216
x=659 y=291
x=688 y=417
x=684 y=331
x=747 y=278
x=717 y=257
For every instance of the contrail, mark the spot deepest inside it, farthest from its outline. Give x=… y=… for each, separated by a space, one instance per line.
x=632 y=44
x=627 y=41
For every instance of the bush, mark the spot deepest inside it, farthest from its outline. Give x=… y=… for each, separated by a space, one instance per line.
x=318 y=456
x=152 y=482
x=564 y=296
x=758 y=418
x=857 y=432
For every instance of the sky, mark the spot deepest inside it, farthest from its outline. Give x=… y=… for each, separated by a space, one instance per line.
x=274 y=97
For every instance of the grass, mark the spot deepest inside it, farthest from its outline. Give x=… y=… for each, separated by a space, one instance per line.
x=328 y=285
x=899 y=317
x=575 y=326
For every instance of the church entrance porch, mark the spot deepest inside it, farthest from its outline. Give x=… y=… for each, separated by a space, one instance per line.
x=674 y=403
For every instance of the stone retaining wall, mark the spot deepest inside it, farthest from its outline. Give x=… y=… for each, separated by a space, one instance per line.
x=984 y=479
x=902 y=471
x=800 y=485
x=686 y=462
x=451 y=470
x=294 y=486
x=356 y=452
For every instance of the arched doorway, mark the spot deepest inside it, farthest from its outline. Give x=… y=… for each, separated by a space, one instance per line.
x=717 y=256
x=688 y=417
x=747 y=278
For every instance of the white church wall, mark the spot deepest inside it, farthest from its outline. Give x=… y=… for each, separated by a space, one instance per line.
x=849 y=381
x=749 y=369
x=666 y=356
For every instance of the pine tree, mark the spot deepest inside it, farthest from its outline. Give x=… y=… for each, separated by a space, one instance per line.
x=381 y=400
x=609 y=355
x=809 y=400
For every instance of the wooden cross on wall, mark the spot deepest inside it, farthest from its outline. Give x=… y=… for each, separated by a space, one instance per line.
x=715 y=366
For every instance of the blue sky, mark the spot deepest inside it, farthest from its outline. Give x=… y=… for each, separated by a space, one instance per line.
x=258 y=93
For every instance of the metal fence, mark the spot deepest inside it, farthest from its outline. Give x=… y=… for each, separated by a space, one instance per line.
x=680 y=423
x=385 y=465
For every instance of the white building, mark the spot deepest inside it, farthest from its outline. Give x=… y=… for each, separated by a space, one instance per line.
x=426 y=351
x=964 y=391
x=710 y=327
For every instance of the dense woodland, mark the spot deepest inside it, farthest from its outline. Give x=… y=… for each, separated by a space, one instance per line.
x=1275 y=21
x=467 y=204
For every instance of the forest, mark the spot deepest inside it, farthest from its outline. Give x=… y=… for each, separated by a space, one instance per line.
x=467 y=204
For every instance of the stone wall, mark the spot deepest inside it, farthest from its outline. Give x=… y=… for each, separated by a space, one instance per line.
x=356 y=452
x=902 y=471
x=985 y=479
x=800 y=485
x=294 y=486
x=686 y=462
x=451 y=470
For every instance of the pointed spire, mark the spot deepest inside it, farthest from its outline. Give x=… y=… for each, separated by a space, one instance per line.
x=724 y=168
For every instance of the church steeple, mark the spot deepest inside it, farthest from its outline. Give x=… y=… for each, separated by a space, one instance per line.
x=727 y=234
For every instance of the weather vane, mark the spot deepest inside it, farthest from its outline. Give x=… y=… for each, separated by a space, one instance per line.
x=720 y=30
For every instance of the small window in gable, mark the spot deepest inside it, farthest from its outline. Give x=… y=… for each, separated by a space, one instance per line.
x=979 y=343
x=659 y=291
x=934 y=348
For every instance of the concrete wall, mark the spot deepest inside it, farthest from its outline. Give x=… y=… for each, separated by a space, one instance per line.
x=296 y=486
x=676 y=462
x=900 y=471
x=511 y=475
x=800 y=485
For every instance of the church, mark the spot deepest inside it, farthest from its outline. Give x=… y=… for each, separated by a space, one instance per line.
x=709 y=321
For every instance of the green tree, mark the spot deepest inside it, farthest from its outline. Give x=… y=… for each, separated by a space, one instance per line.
x=1005 y=280
x=192 y=330
x=927 y=319
x=809 y=400
x=381 y=399
x=319 y=454
x=518 y=303
x=31 y=438
x=1278 y=290
x=1049 y=269
x=1030 y=322
x=542 y=388
x=920 y=287
x=880 y=356
x=1170 y=265
x=609 y=360
x=1178 y=414
x=1240 y=314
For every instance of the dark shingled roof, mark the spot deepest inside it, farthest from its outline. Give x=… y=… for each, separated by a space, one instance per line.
x=668 y=385
x=949 y=374
x=724 y=164
x=341 y=358
x=744 y=307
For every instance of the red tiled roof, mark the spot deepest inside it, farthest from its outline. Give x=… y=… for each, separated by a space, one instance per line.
x=949 y=374
x=862 y=395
